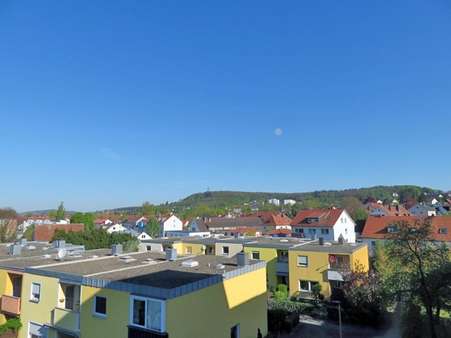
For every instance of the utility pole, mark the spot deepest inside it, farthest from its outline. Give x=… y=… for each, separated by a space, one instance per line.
x=339 y=317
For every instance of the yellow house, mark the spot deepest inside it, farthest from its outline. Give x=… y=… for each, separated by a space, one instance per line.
x=323 y=264
x=274 y=251
x=139 y=295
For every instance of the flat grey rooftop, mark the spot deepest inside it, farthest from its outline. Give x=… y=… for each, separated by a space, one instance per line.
x=330 y=247
x=276 y=242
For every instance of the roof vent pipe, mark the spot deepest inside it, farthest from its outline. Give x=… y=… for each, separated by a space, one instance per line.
x=242 y=259
x=321 y=240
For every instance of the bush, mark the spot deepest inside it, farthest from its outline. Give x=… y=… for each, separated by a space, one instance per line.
x=97 y=239
x=412 y=325
x=13 y=324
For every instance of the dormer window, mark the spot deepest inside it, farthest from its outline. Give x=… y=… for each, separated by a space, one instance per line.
x=443 y=231
x=310 y=220
x=392 y=228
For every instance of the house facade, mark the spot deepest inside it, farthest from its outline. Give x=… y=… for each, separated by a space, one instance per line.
x=330 y=224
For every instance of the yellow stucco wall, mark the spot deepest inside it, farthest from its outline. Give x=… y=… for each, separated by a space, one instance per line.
x=114 y=325
x=39 y=313
x=213 y=311
x=318 y=264
x=234 y=248
x=6 y=286
x=269 y=255
x=182 y=248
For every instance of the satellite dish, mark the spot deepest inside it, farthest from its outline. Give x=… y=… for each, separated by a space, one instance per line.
x=61 y=253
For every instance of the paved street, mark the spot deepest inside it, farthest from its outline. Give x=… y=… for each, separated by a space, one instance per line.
x=313 y=328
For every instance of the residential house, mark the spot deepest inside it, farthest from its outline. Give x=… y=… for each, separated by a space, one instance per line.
x=274 y=201
x=422 y=210
x=135 y=222
x=376 y=209
x=232 y=225
x=171 y=223
x=116 y=228
x=143 y=236
x=145 y=295
x=377 y=229
x=330 y=224
x=289 y=202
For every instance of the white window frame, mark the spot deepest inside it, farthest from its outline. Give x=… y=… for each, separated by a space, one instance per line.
x=146 y=299
x=302 y=265
x=228 y=249
x=309 y=285
x=98 y=314
x=32 y=299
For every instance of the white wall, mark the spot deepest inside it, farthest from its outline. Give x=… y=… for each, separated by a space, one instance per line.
x=345 y=226
x=173 y=223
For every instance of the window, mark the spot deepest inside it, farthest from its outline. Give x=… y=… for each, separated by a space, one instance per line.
x=69 y=293
x=147 y=313
x=443 y=231
x=299 y=230
x=35 y=292
x=255 y=255
x=189 y=249
x=392 y=228
x=303 y=261
x=100 y=306
x=306 y=285
x=235 y=331
x=139 y=312
x=225 y=250
x=324 y=231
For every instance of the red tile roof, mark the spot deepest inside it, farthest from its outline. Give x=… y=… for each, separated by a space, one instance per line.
x=45 y=232
x=326 y=217
x=273 y=218
x=390 y=210
x=376 y=227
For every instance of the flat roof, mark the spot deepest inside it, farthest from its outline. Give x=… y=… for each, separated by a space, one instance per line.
x=330 y=247
x=276 y=242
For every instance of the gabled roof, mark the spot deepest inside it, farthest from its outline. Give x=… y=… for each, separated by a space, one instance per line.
x=273 y=218
x=233 y=222
x=376 y=227
x=325 y=217
x=389 y=210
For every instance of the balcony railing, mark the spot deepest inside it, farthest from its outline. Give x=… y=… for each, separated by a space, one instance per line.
x=282 y=268
x=10 y=305
x=66 y=319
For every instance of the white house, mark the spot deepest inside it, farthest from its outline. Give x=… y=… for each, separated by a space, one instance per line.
x=289 y=202
x=172 y=223
x=330 y=224
x=143 y=236
x=274 y=201
x=116 y=228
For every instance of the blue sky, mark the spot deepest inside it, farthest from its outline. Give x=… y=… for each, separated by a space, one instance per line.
x=112 y=103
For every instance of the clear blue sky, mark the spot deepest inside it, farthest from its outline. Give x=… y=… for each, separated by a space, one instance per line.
x=111 y=103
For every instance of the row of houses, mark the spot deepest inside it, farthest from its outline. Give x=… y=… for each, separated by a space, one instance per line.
x=299 y=263
x=63 y=291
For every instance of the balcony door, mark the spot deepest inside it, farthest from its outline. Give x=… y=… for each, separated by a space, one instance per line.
x=17 y=285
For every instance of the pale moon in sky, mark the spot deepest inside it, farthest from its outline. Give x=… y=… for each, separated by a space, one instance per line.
x=278 y=131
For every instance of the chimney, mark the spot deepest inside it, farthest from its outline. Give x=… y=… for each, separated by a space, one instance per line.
x=116 y=249
x=59 y=244
x=242 y=259
x=15 y=250
x=171 y=254
x=321 y=240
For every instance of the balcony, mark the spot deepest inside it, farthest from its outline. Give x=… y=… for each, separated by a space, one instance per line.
x=282 y=268
x=10 y=305
x=136 y=332
x=67 y=320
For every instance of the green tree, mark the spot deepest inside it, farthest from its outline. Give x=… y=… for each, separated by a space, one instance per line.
x=8 y=213
x=153 y=227
x=28 y=233
x=414 y=258
x=85 y=218
x=60 y=212
x=149 y=210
